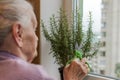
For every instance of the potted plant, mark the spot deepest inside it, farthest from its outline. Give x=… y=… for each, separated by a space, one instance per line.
x=65 y=38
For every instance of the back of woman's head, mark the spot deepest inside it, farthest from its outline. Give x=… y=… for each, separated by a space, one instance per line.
x=13 y=11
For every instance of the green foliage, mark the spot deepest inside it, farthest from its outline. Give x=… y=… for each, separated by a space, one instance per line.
x=117 y=70
x=65 y=38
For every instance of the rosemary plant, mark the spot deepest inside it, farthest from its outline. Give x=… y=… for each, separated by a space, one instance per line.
x=65 y=38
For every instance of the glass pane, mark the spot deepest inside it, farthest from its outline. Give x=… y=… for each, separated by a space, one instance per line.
x=106 y=25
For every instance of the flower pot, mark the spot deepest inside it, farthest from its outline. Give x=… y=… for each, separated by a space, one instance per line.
x=61 y=72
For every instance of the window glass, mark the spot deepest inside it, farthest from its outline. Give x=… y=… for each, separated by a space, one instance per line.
x=106 y=24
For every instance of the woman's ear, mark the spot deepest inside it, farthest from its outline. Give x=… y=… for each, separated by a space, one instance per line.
x=17 y=32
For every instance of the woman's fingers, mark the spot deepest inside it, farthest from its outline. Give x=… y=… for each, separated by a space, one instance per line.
x=77 y=70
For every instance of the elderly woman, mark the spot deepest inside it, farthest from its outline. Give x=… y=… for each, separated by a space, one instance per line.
x=18 y=43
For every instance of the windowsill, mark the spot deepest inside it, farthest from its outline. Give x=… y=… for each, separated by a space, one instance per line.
x=93 y=76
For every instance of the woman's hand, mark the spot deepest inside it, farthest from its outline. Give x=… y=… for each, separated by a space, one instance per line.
x=77 y=70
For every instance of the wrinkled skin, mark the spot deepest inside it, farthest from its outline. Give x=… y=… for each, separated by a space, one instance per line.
x=77 y=70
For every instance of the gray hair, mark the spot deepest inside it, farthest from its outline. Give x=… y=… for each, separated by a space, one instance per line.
x=10 y=12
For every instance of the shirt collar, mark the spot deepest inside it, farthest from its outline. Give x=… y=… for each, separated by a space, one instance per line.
x=7 y=54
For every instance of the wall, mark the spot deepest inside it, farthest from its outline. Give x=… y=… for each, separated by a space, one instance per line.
x=49 y=7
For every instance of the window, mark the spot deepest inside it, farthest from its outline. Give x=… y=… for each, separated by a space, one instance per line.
x=103 y=53
x=103 y=44
x=105 y=14
x=102 y=71
x=103 y=24
x=103 y=34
